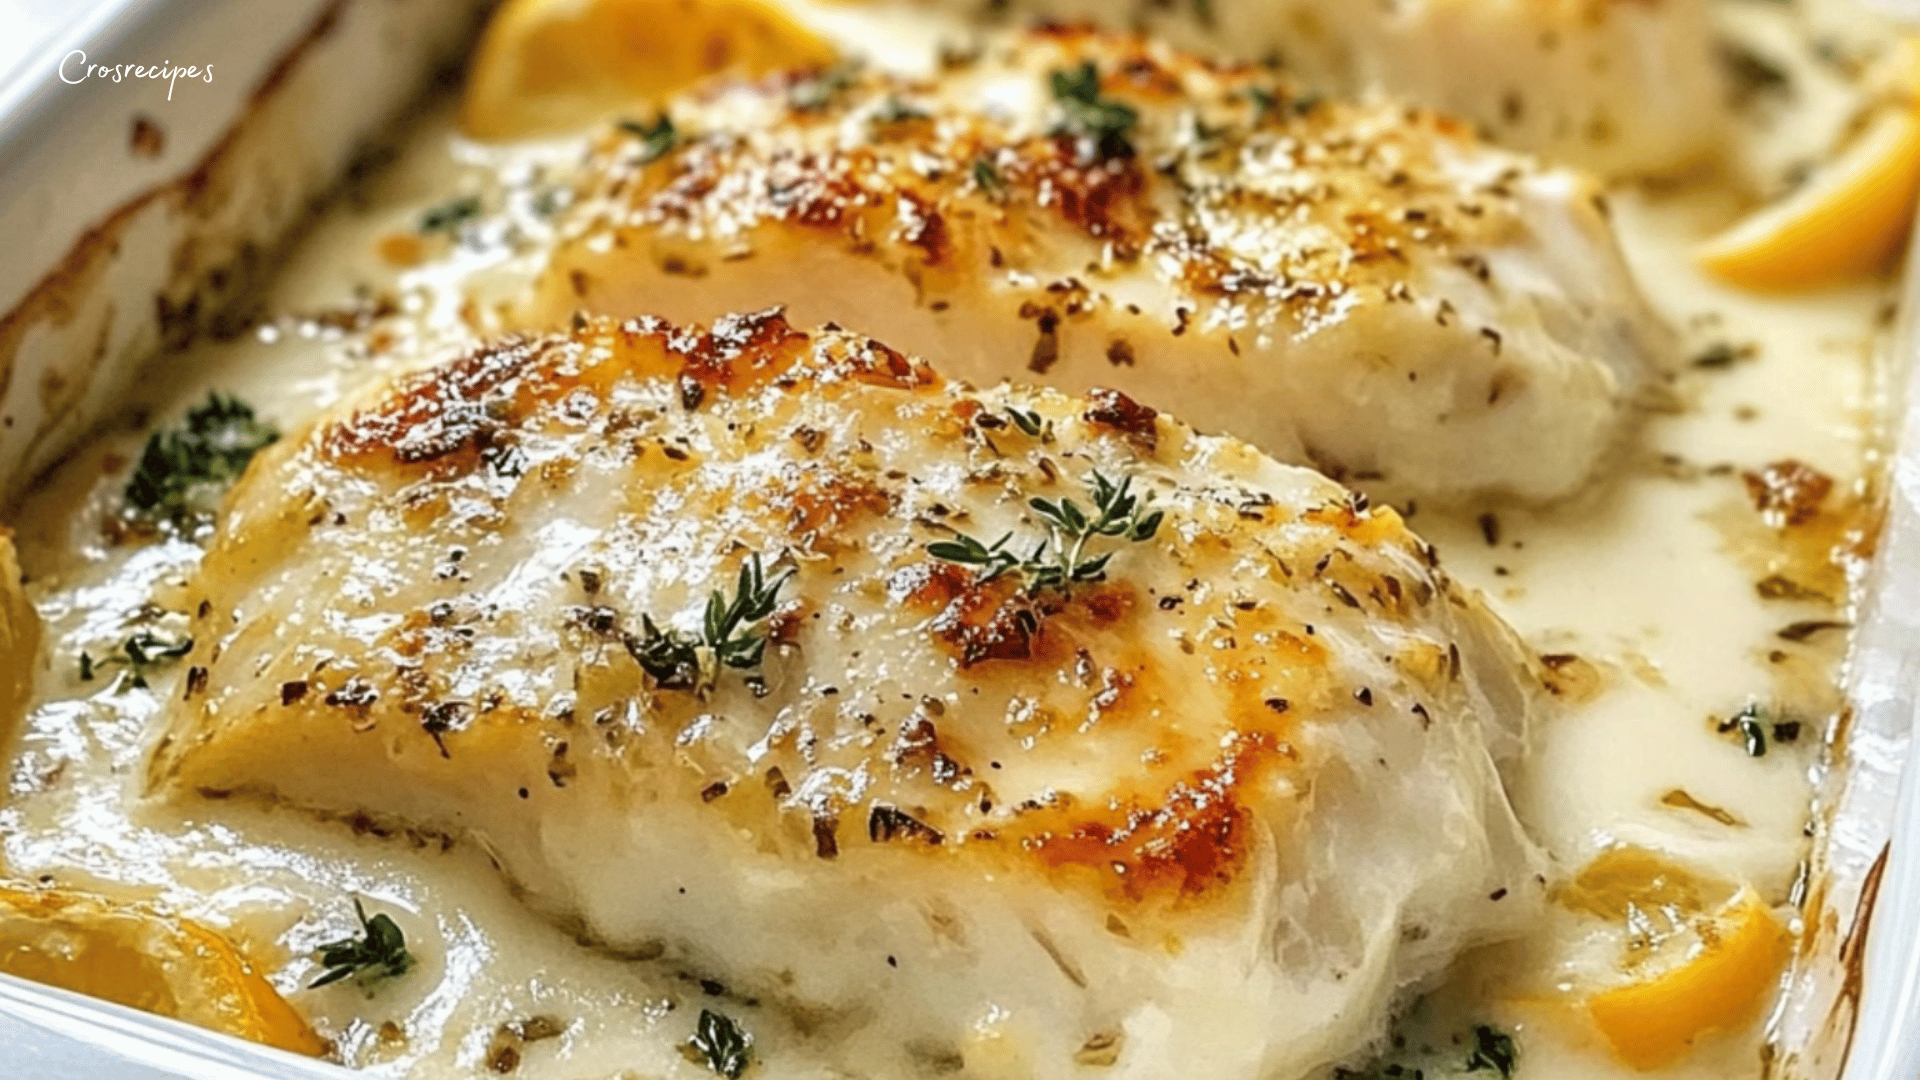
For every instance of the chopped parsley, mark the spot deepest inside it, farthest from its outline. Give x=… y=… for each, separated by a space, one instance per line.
x=1101 y=124
x=657 y=139
x=137 y=656
x=451 y=214
x=1061 y=560
x=728 y=634
x=721 y=1045
x=182 y=470
x=379 y=952
x=1493 y=1049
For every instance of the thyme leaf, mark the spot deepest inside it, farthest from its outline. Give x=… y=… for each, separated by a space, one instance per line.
x=137 y=656
x=1265 y=103
x=719 y=1041
x=1030 y=423
x=727 y=624
x=817 y=90
x=1750 y=722
x=451 y=214
x=379 y=952
x=1493 y=1049
x=657 y=139
x=965 y=550
x=894 y=109
x=987 y=178
x=672 y=658
x=1102 y=124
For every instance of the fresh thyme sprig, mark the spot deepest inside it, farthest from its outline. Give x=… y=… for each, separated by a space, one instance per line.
x=1061 y=560
x=728 y=634
x=1102 y=123
x=727 y=623
x=379 y=952
x=137 y=656
x=181 y=469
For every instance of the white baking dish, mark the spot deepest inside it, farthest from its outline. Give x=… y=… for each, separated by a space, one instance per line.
x=114 y=250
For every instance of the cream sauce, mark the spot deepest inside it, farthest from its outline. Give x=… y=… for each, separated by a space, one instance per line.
x=1650 y=583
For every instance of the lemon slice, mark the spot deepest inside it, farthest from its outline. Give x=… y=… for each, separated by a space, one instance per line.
x=1849 y=219
x=552 y=65
x=1723 y=983
x=132 y=955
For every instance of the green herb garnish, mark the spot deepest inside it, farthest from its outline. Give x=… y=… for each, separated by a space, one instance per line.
x=1061 y=560
x=672 y=658
x=137 y=656
x=1265 y=102
x=896 y=110
x=722 y=1045
x=656 y=139
x=1492 y=1049
x=380 y=952
x=1030 y=422
x=181 y=471
x=1750 y=722
x=728 y=634
x=987 y=178
x=1101 y=124
x=450 y=215
x=817 y=90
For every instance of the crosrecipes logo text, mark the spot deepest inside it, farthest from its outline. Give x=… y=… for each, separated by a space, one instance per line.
x=75 y=70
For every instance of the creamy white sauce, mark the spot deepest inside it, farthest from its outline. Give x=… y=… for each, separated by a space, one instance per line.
x=1651 y=581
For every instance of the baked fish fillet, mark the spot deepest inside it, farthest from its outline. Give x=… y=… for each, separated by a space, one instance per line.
x=1362 y=288
x=1204 y=803
x=1621 y=87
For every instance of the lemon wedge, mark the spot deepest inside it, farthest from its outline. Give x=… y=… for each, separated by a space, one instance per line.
x=1849 y=219
x=552 y=65
x=1724 y=981
x=133 y=955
